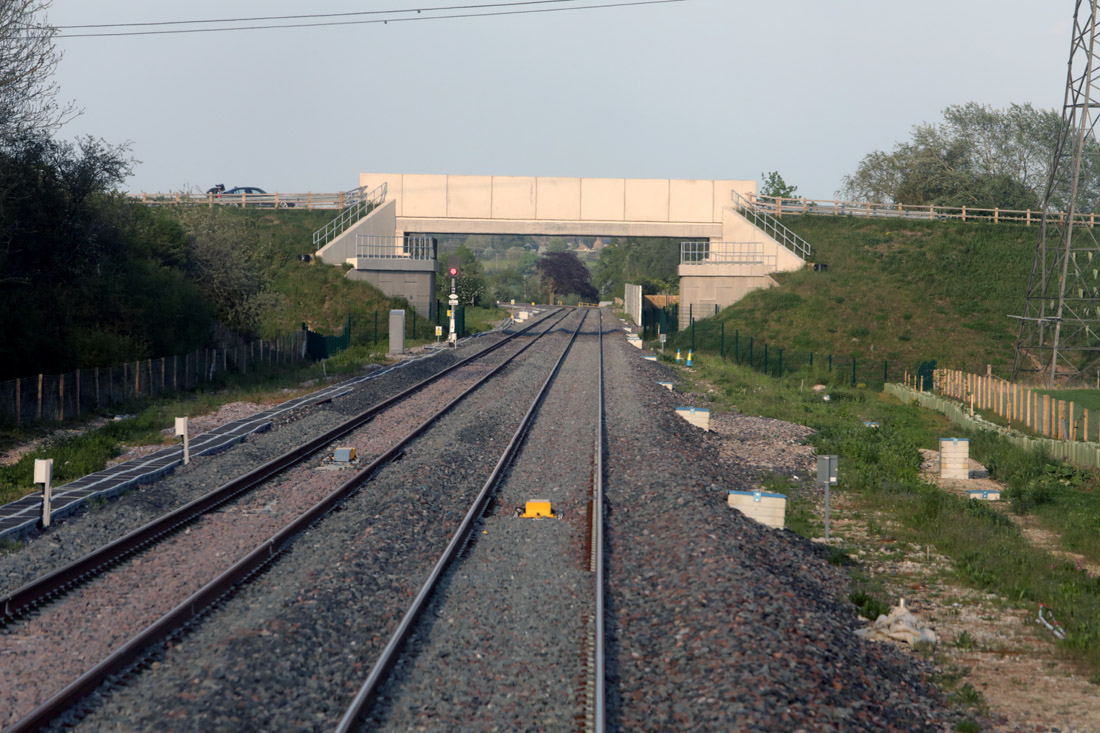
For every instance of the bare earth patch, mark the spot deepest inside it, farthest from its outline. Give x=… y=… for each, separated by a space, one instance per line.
x=1027 y=683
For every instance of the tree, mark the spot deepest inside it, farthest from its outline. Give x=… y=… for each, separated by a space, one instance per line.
x=564 y=274
x=470 y=284
x=231 y=275
x=652 y=263
x=774 y=185
x=979 y=157
x=28 y=96
x=87 y=278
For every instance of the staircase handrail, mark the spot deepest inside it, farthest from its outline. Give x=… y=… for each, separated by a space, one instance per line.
x=358 y=202
x=772 y=227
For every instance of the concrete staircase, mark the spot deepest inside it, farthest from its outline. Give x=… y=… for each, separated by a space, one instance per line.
x=771 y=226
x=360 y=203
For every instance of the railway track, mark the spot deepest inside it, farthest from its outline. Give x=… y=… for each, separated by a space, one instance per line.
x=38 y=622
x=513 y=593
x=714 y=622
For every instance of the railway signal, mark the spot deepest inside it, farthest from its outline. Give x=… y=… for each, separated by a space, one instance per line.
x=452 y=301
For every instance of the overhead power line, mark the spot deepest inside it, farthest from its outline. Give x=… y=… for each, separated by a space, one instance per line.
x=404 y=19
x=441 y=8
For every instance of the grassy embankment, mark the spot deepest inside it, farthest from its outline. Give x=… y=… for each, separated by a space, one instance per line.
x=880 y=472
x=901 y=292
x=908 y=292
x=318 y=294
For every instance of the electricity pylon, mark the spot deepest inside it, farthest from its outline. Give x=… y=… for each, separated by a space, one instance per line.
x=1060 y=329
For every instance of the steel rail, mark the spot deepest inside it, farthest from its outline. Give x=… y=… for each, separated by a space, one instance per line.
x=35 y=592
x=369 y=690
x=597 y=520
x=206 y=597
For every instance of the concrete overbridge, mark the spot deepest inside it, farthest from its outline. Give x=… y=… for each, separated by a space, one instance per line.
x=728 y=247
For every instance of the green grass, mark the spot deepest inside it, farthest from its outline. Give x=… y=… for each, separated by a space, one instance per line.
x=881 y=467
x=1086 y=398
x=896 y=293
x=83 y=454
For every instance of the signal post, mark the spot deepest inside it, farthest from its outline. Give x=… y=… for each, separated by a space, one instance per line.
x=452 y=302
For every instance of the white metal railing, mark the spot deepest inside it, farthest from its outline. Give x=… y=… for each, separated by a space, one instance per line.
x=780 y=207
x=725 y=253
x=771 y=226
x=360 y=203
x=408 y=247
x=308 y=200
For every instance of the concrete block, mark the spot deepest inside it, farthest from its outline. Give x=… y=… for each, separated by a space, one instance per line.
x=954 y=458
x=649 y=357
x=766 y=508
x=666 y=385
x=985 y=494
x=397 y=332
x=697 y=416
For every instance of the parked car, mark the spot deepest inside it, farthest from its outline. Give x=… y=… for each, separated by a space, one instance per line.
x=236 y=193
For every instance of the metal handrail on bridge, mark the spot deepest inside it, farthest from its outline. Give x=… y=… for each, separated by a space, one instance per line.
x=360 y=204
x=771 y=226
x=724 y=253
x=407 y=247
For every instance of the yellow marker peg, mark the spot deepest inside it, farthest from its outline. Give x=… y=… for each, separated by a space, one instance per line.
x=537 y=509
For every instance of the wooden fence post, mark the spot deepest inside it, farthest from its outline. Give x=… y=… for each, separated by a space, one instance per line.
x=61 y=398
x=38 y=410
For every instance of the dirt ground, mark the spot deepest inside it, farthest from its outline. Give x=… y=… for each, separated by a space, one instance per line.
x=999 y=648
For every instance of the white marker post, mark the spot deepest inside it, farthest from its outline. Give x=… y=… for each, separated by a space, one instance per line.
x=181 y=432
x=826 y=475
x=43 y=474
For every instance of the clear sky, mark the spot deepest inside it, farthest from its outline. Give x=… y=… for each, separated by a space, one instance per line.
x=695 y=89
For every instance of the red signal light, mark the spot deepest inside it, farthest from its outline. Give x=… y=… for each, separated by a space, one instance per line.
x=453 y=272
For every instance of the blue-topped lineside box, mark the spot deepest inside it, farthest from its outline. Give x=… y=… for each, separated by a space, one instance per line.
x=764 y=507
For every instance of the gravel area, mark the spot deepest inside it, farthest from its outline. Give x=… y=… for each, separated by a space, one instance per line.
x=67 y=637
x=500 y=647
x=289 y=650
x=717 y=622
x=77 y=535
